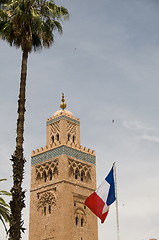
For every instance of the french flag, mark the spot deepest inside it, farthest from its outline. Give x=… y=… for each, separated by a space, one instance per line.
x=99 y=201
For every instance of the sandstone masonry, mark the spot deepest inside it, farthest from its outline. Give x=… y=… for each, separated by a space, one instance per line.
x=63 y=175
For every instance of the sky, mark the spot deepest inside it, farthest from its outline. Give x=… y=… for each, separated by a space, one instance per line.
x=107 y=64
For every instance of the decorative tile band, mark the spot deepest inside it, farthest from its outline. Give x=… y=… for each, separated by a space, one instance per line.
x=61 y=117
x=60 y=151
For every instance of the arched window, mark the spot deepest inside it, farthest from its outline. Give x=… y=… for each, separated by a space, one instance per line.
x=70 y=170
x=68 y=137
x=38 y=177
x=44 y=176
x=88 y=177
x=82 y=176
x=73 y=139
x=76 y=174
x=49 y=209
x=82 y=221
x=53 y=139
x=55 y=172
x=50 y=174
x=57 y=137
x=44 y=211
x=76 y=219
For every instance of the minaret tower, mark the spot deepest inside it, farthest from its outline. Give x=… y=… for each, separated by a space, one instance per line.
x=63 y=175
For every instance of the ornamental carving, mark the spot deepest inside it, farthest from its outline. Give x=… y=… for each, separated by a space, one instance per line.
x=71 y=128
x=79 y=170
x=46 y=198
x=47 y=170
x=79 y=217
x=54 y=130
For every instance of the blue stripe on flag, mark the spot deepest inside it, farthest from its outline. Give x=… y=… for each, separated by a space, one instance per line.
x=111 y=195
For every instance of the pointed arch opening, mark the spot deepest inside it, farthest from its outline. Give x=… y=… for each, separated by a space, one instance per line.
x=49 y=209
x=76 y=220
x=71 y=170
x=82 y=176
x=57 y=137
x=76 y=173
x=44 y=211
x=82 y=222
x=44 y=176
x=55 y=172
x=73 y=139
x=38 y=177
x=50 y=174
x=88 y=177
x=68 y=137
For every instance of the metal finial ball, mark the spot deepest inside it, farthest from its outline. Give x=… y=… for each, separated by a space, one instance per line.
x=63 y=104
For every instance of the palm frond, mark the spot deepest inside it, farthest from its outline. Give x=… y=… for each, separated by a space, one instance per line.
x=30 y=24
x=5 y=193
x=1 y=219
x=4 y=207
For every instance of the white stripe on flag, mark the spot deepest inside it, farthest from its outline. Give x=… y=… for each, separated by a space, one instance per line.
x=102 y=190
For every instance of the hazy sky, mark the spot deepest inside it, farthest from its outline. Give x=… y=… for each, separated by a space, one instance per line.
x=107 y=64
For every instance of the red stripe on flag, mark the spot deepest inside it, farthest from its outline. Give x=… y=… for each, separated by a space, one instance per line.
x=96 y=205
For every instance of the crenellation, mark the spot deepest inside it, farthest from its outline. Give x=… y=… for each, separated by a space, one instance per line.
x=93 y=152
x=45 y=148
x=33 y=152
x=37 y=150
x=58 y=143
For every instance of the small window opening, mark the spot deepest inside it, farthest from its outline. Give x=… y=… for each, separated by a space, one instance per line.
x=45 y=177
x=68 y=137
x=38 y=177
x=53 y=139
x=76 y=174
x=44 y=211
x=76 y=221
x=73 y=139
x=57 y=137
x=50 y=175
x=82 y=221
x=49 y=209
x=82 y=175
x=74 y=204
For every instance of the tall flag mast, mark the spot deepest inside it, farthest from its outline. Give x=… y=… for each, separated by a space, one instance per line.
x=99 y=201
x=117 y=215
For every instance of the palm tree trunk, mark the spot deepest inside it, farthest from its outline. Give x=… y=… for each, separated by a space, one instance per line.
x=18 y=195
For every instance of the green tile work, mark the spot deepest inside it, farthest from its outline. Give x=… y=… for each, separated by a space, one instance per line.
x=60 y=151
x=61 y=117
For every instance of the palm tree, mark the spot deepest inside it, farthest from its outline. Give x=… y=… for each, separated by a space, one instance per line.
x=28 y=24
x=4 y=208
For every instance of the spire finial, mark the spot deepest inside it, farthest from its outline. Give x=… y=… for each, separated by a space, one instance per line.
x=63 y=104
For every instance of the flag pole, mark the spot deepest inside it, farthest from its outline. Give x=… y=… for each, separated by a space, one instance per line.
x=117 y=215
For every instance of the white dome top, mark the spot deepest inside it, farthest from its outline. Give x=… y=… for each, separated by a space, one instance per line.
x=63 y=112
